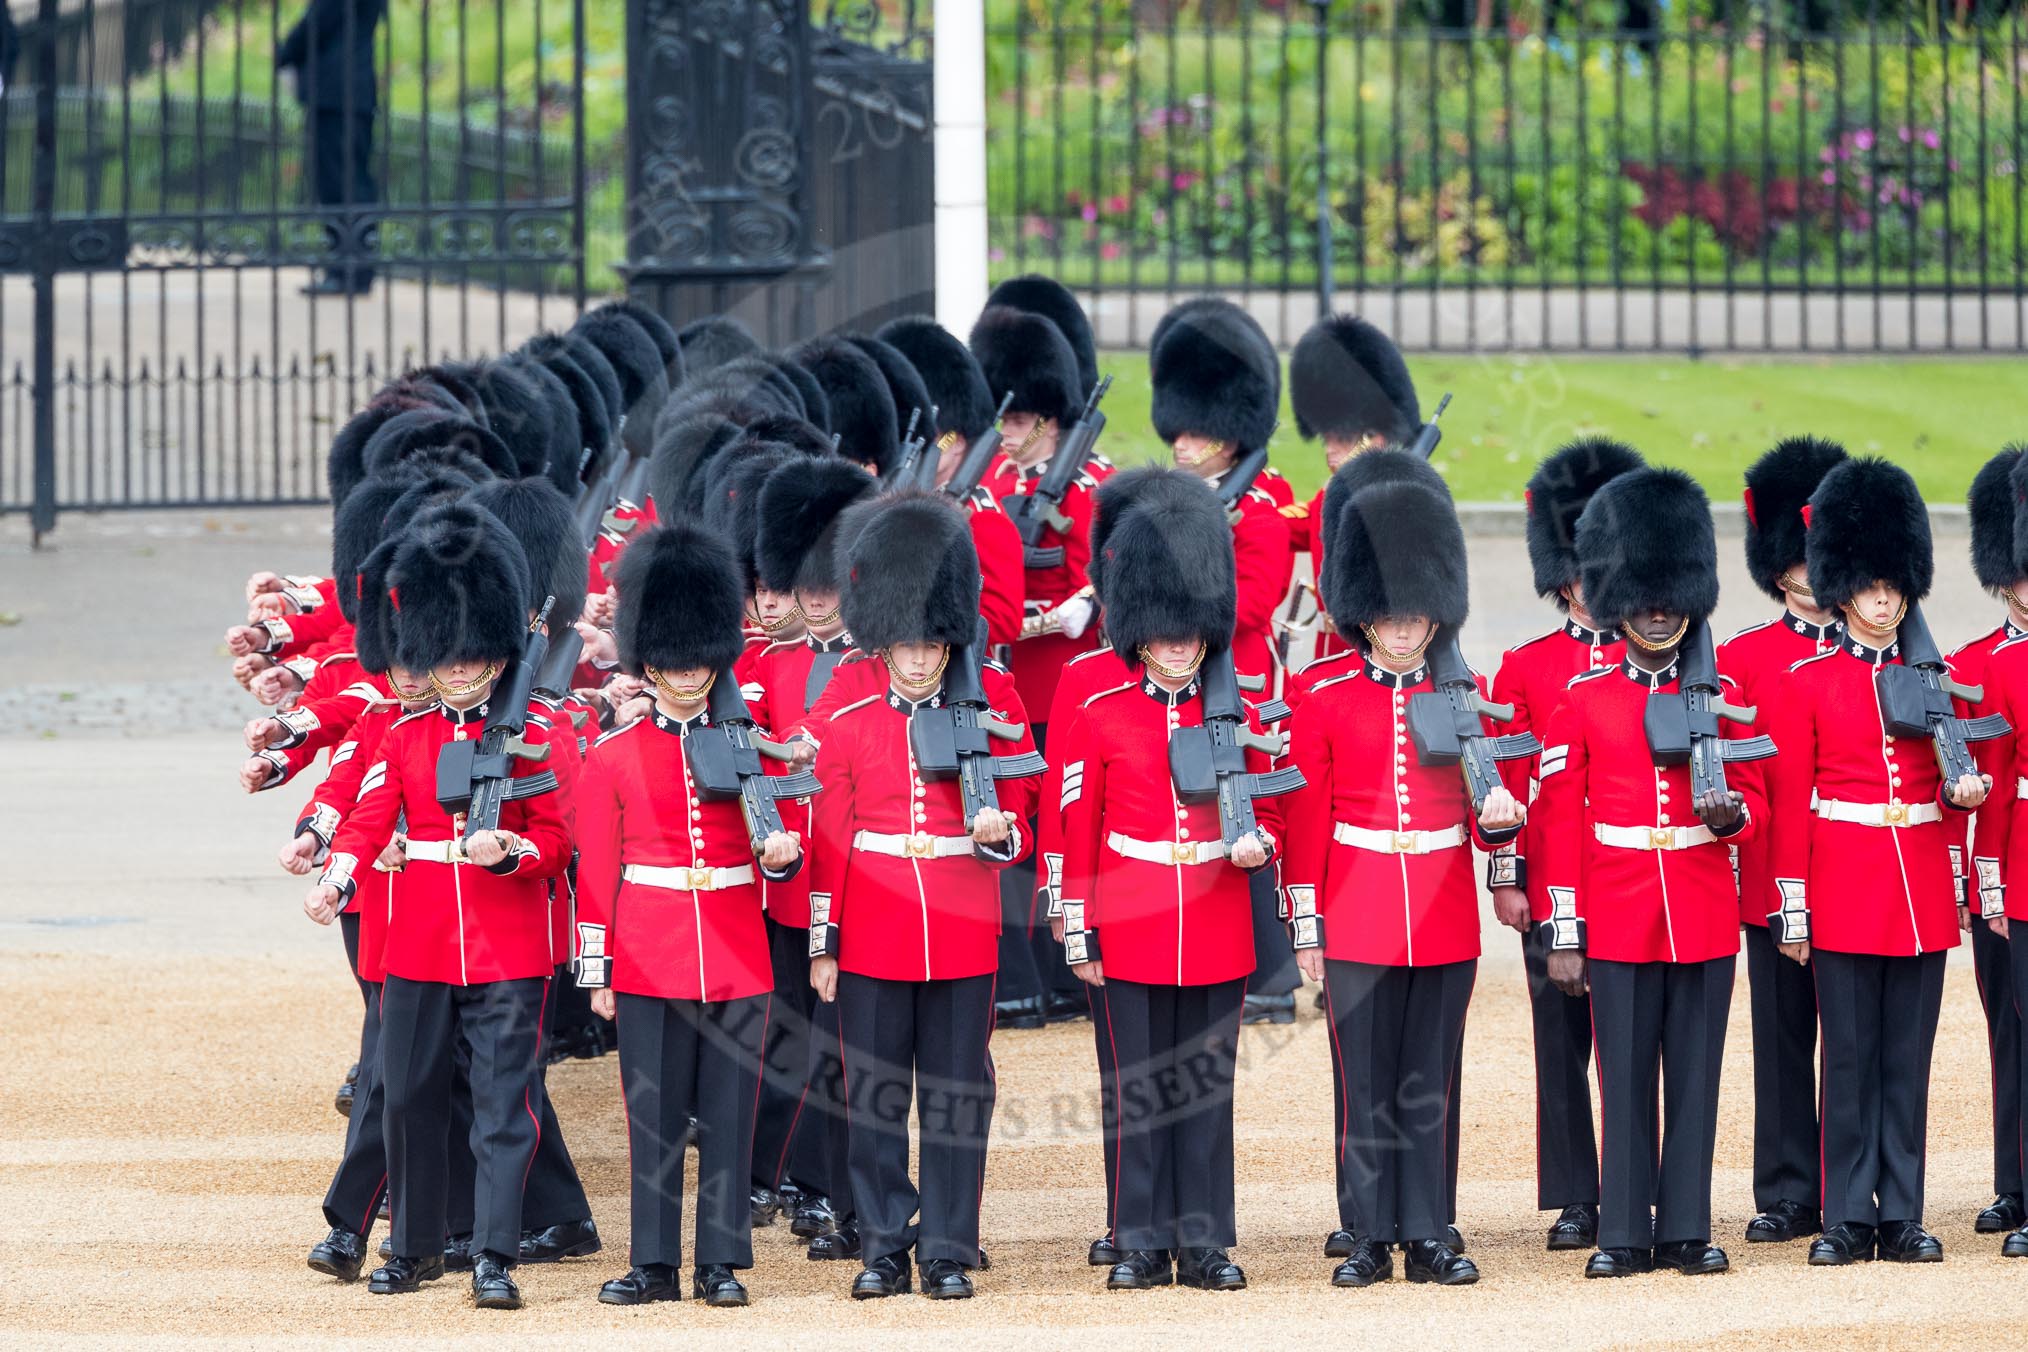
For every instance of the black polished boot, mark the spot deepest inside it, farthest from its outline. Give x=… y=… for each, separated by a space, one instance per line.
x=1575 y=1228
x=1432 y=1260
x=492 y=1288
x=884 y=1276
x=458 y=1253
x=838 y=1244
x=2005 y=1213
x=1841 y=1245
x=813 y=1217
x=763 y=1203
x=1691 y=1257
x=1620 y=1263
x=398 y=1276
x=656 y=1281
x=1338 y=1244
x=1908 y=1242
x=1140 y=1270
x=1209 y=1270
x=1024 y=1013
x=2015 y=1245
x=1103 y=1252
x=1782 y=1222
x=340 y=1255
x=1062 y=1007
x=943 y=1279
x=715 y=1285
x=1366 y=1261
x=1269 y=1009
x=573 y=1239
x=1454 y=1239
x=342 y=1101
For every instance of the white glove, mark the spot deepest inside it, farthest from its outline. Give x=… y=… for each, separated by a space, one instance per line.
x=1074 y=616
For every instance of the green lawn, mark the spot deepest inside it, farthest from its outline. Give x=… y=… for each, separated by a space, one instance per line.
x=1941 y=418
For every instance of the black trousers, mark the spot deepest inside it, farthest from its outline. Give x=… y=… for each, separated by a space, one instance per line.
x=553 y=1193
x=1395 y=1037
x=1785 y=1132
x=931 y=1035
x=1174 y=1050
x=361 y=1179
x=1566 y=1149
x=348 y=930
x=679 y=1059
x=569 y=1003
x=1109 y=1136
x=1274 y=958
x=788 y=1142
x=2017 y=944
x=1993 y=967
x=341 y=157
x=1879 y=1018
x=500 y=1025
x=1661 y=1028
x=824 y=1109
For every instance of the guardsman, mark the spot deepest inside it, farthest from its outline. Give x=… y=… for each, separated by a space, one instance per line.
x=904 y=904
x=674 y=945
x=1787 y=1184
x=1348 y=385
x=1155 y=879
x=1382 y=892
x=468 y=952
x=1052 y=300
x=1532 y=678
x=1643 y=907
x=1993 y=510
x=1863 y=827
x=2003 y=910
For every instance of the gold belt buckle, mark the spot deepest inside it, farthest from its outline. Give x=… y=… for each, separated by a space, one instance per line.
x=1896 y=814
x=1183 y=852
x=922 y=845
x=699 y=879
x=1404 y=842
x=1661 y=837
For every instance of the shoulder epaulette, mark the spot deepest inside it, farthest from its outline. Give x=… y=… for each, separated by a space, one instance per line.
x=1316 y=662
x=983 y=499
x=1095 y=652
x=1973 y=643
x=426 y=709
x=329 y=658
x=781 y=643
x=1330 y=681
x=1094 y=699
x=1529 y=643
x=1813 y=657
x=855 y=704
x=2005 y=644
x=1753 y=629
x=628 y=726
x=1297 y=511
x=995 y=664
x=1259 y=494
x=1583 y=676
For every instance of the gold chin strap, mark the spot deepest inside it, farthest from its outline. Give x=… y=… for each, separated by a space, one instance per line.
x=1635 y=638
x=1034 y=432
x=808 y=618
x=1790 y=582
x=460 y=691
x=1373 y=639
x=928 y=682
x=1210 y=451
x=769 y=626
x=947 y=440
x=2017 y=605
x=1852 y=619
x=682 y=694
x=1174 y=673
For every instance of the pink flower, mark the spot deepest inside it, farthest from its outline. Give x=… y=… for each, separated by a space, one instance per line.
x=1930 y=138
x=1907 y=134
x=1116 y=204
x=1830 y=177
x=1826 y=154
x=1090 y=212
x=1863 y=138
x=1109 y=251
x=1184 y=180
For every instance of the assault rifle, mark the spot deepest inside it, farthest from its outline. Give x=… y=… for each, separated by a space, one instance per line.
x=725 y=762
x=1915 y=701
x=477 y=778
x=1445 y=726
x=903 y=473
x=1209 y=763
x=979 y=456
x=1032 y=512
x=953 y=741
x=1684 y=726
x=1426 y=439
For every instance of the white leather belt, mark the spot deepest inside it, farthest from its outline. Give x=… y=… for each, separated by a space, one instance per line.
x=1397 y=842
x=1879 y=814
x=1652 y=837
x=1167 y=851
x=920 y=845
x=436 y=851
x=687 y=879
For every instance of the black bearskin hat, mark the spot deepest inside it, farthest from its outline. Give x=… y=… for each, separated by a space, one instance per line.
x=679 y=601
x=514 y=412
x=1383 y=464
x=740 y=487
x=956 y=384
x=1991 y=504
x=798 y=434
x=799 y=508
x=540 y=518
x=597 y=393
x=682 y=451
x=1045 y=296
x=361 y=523
x=714 y=341
x=1397 y=550
x=910 y=572
x=345 y=462
x=644 y=382
x=816 y=407
x=453 y=379
x=1024 y=354
x=1156 y=485
x=408 y=434
x=1777 y=486
x=668 y=344
x=758 y=378
x=1645 y=542
x=1169 y=571
x=1556 y=496
x=593 y=431
x=1347 y=381
x=904 y=384
x=566 y=448
x=1868 y=524
x=460 y=583
x=1215 y=374
x=369 y=608
x=862 y=409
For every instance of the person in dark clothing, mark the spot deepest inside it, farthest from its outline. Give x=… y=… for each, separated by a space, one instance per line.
x=331 y=51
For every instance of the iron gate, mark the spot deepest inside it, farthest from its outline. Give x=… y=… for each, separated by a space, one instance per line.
x=161 y=212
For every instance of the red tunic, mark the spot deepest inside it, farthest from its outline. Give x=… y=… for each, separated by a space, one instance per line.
x=1636 y=904
x=638 y=806
x=1981 y=855
x=1003 y=580
x=1756 y=659
x=1883 y=890
x=328 y=807
x=2003 y=818
x=1263 y=558
x=1037 y=662
x=903 y=918
x=775 y=681
x=1174 y=924
x=294 y=635
x=1415 y=908
x=1532 y=678
x=1083 y=677
x=455 y=922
